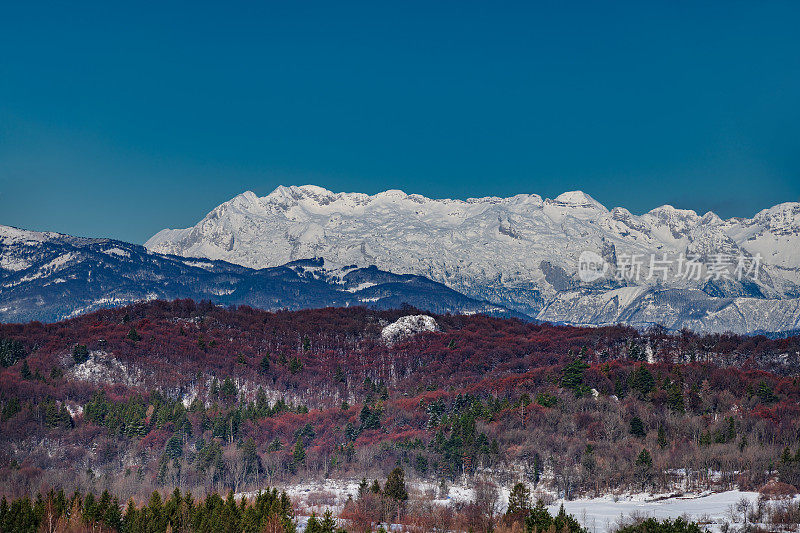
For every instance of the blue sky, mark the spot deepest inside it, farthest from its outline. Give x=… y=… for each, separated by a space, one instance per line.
x=120 y=119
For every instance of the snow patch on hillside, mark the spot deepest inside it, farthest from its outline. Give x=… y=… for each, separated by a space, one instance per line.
x=408 y=326
x=14 y=264
x=103 y=367
x=117 y=252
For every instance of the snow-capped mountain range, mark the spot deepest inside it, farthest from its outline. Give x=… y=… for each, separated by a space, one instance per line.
x=524 y=252
x=49 y=276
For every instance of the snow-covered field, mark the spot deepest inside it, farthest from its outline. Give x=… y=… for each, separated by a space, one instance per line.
x=599 y=515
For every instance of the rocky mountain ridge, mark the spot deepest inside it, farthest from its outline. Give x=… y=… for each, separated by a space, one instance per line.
x=49 y=276
x=524 y=252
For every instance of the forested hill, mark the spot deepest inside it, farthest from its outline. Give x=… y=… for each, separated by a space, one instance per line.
x=208 y=398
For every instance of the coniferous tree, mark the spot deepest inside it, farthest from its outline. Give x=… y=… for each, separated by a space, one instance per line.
x=519 y=500
x=765 y=393
x=375 y=488
x=572 y=377
x=637 y=427
x=652 y=525
x=228 y=390
x=642 y=380
x=662 y=437
x=25 y=370
x=644 y=459
x=644 y=468
x=395 y=487
x=675 y=398
x=313 y=525
x=129 y=519
x=328 y=523
x=249 y=457
x=133 y=335
x=299 y=453
x=113 y=517
x=539 y=519
x=295 y=365
x=789 y=467
x=80 y=354
x=338 y=375
x=11 y=351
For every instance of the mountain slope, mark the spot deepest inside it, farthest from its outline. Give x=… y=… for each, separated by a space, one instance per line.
x=139 y=398
x=523 y=252
x=48 y=276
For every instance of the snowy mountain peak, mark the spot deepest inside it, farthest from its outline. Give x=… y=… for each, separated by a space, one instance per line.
x=520 y=252
x=669 y=212
x=295 y=194
x=710 y=218
x=311 y=196
x=10 y=234
x=248 y=196
x=578 y=199
x=782 y=216
x=392 y=194
x=247 y=200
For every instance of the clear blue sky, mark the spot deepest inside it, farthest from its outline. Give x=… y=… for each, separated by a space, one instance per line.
x=119 y=119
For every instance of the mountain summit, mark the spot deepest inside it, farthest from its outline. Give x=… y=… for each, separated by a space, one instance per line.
x=524 y=252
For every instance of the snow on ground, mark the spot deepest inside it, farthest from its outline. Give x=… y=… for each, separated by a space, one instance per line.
x=600 y=515
x=117 y=251
x=74 y=409
x=361 y=286
x=407 y=326
x=103 y=367
x=8 y=262
x=329 y=494
x=50 y=267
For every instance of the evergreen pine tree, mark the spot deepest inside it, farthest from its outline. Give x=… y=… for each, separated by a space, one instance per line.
x=637 y=427
x=295 y=365
x=133 y=335
x=642 y=380
x=338 y=375
x=328 y=523
x=11 y=351
x=572 y=377
x=644 y=468
x=644 y=460
x=298 y=453
x=539 y=518
x=25 y=370
x=313 y=525
x=375 y=488
x=519 y=500
x=80 y=354
x=395 y=487
x=662 y=437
